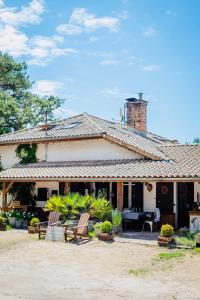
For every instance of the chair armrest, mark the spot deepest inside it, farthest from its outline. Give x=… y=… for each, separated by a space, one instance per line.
x=56 y=224
x=41 y=223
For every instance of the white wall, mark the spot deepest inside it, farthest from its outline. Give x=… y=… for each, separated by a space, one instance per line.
x=8 y=156
x=196 y=190
x=150 y=198
x=88 y=150
x=70 y=150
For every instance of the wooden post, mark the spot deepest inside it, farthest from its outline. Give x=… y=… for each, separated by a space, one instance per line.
x=119 y=195
x=67 y=188
x=4 y=195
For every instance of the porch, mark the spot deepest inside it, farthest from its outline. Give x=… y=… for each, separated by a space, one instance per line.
x=133 y=198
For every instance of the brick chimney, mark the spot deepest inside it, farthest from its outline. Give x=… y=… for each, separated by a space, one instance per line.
x=136 y=113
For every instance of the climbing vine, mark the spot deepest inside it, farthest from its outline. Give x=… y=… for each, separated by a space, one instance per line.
x=26 y=153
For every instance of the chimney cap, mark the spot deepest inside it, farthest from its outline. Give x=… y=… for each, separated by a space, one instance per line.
x=140 y=100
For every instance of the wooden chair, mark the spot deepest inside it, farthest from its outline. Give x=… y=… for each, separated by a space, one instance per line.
x=53 y=220
x=80 y=230
x=14 y=205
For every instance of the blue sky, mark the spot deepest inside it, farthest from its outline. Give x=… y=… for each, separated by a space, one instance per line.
x=97 y=53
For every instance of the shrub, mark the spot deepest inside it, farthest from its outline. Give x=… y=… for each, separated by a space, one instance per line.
x=101 y=209
x=116 y=218
x=106 y=227
x=97 y=227
x=167 y=230
x=34 y=222
x=2 y=220
x=56 y=203
x=92 y=234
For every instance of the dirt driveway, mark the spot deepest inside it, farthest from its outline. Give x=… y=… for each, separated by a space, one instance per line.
x=32 y=269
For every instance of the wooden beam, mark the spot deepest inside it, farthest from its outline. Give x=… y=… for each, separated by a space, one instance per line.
x=119 y=195
x=9 y=187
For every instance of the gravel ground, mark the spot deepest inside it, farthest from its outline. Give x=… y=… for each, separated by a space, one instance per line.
x=32 y=269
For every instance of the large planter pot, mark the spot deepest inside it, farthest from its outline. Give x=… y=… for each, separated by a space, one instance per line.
x=90 y=225
x=197 y=241
x=32 y=229
x=165 y=241
x=18 y=223
x=11 y=221
x=24 y=224
x=106 y=236
x=116 y=230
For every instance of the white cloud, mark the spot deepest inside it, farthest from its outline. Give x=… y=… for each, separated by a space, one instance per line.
x=44 y=48
x=62 y=113
x=39 y=50
x=13 y=41
x=114 y=93
x=151 y=68
x=69 y=29
x=81 y=20
x=150 y=31
x=108 y=62
x=30 y=14
x=46 y=87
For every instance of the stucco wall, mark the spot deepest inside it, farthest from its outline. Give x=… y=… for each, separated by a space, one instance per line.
x=196 y=190
x=87 y=150
x=150 y=198
x=71 y=150
x=8 y=156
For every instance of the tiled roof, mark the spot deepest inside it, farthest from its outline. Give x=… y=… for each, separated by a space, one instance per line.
x=183 y=162
x=85 y=125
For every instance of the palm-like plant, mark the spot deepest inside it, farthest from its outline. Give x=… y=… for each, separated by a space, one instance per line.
x=56 y=203
x=101 y=209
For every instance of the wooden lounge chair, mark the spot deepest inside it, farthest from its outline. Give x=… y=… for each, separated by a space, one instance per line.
x=80 y=230
x=53 y=220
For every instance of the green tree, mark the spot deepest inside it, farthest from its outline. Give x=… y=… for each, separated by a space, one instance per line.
x=196 y=141
x=19 y=107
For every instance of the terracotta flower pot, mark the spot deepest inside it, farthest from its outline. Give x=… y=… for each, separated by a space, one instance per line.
x=106 y=236
x=165 y=241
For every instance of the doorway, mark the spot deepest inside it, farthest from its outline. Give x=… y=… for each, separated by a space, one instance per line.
x=165 y=202
x=185 y=202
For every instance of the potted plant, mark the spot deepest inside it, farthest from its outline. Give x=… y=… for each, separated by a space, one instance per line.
x=116 y=220
x=18 y=221
x=166 y=235
x=2 y=223
x=97 y=228
x=33 y=225
x=197 y=239
x=107 y=232
x=26 y=217
x=11 y=215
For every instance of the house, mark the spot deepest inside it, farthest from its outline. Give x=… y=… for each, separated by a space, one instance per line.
x=131 y=166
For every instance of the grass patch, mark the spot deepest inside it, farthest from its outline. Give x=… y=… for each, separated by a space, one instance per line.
x=138 y=272
x=8 y=227
x=185 y=242
x=197 y=250
x=170 y=255
x=91 y=234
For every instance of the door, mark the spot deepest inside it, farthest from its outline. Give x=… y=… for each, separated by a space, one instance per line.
x=165 y=197
x=185 y=202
